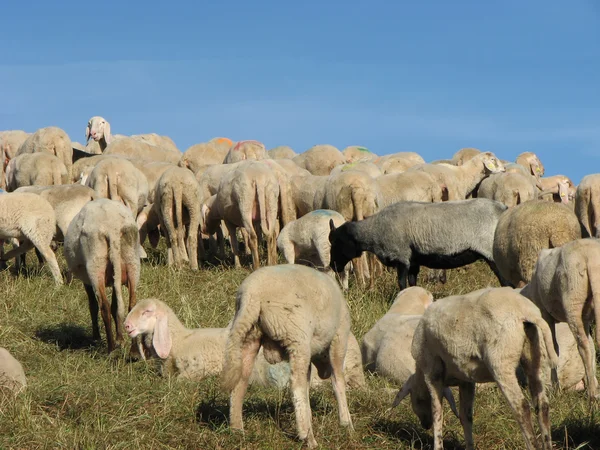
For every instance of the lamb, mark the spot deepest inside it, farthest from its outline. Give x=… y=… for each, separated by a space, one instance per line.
x=178 y=205
x=139 y=149
x=118 y=179
x=12 y=375
x=463 y=155
x=532 y=163
x=102 y=249
x=52 y=140
x=35 y=169
x=587 y=204
x=29 y=217
x=410 y=186
x=354 y=153
x=246 y=194
x=305 y=241
x=385 y=347
x=320 y=159
x=244 y=150
x=293 y=312
x=281 y=152
x=566 y=287
x=451 y=348
x=406 y=235
x=199 y=155
x=512 y=189
x=462 y=180
x=526 y=229
x=67 y=200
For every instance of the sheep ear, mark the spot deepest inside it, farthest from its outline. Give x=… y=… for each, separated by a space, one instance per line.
x=161 y=339
x=563 y=191
x=87 y=132
x=331 y=225
x=448 y=396
x=489 y=164
x=107 y=135
x=205 y=212
x=406 y=389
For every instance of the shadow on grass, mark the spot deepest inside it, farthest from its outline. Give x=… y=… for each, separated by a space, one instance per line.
x=66 y=336
x=409 y=434
x=577 y=433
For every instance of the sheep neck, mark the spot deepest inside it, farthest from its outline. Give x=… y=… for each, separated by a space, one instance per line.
x=473 y=171
x=177 y=331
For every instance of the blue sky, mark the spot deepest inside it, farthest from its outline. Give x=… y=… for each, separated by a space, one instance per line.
x=430 y=76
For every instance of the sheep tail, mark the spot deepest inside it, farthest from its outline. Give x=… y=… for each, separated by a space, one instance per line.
x=243 y=330
x=56 y=177
x=261 y=198
x=358 y=201
x=546 y=334
x=114 y=256
x=113 y=191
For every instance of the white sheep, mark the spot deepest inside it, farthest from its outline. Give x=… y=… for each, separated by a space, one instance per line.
x=587 y=204
x=463 y=155
x=281 y=152
x=201 y=154
x=532 y=163
x=141 y=149
x=10 y=141
x=410 y=186
x=35 y=169
x=245 y=150
x=12 y=375
x=385 y=347
x=452 y=348
x=355 y=153
x=102 y=249
x=557 y=188
x=153 y=171
x=510 y=188
x=308 y=191
x=398 y=162
x=98 y=129
x=295 y=313
x=320 y=159
x=52 y=140
x=28 y=217
x=306 y=241
x=565 y=285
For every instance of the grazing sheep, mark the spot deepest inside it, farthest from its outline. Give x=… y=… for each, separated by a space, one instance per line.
x=307 y=192
x=305 y=241
x=360 y=166
x=286 y=209
x=398 y=162
x=246 y=195
x=566 y=287
x=281 y=152
x=410 y=186
x=510 y=188
x=502 y=330
x=102 y=249
x=587 y=204
x=35 y=169
x=222 y=144
x=119 y=180
x=210 y=178
x=386 y=346
x=292 y=168
x=571 y=371
x=29 y=217
x=354 y=153
x=462 y=180
x=140 y=149
x=296 y=313
x=67 y=200
x=12 y=375
x=463 y=155
x=532 y=163
x=558 y=188
x=10 y=141
x=178 y=205
x=406 y=235
x=320 y=159
x=83 y=166
x=52 y=140
x=245 y=150
x=163 y=142
x=153 y=171
x=526 y=229
x=199 y=155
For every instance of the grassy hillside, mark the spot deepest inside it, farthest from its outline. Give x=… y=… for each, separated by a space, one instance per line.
x=79 y=397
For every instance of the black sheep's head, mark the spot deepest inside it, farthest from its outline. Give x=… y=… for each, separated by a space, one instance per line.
x=343 y=246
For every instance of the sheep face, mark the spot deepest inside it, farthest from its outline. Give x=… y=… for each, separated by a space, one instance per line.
x=343 y=247
x=97 y=128
x=491 y=163
x=142 y=318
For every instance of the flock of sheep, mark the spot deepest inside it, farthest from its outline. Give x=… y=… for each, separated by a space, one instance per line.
x=329 y=213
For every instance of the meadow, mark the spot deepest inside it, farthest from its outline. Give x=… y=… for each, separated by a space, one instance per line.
x=79 y=397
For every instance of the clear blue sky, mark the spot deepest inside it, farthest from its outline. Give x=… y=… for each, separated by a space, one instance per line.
x=429 y=76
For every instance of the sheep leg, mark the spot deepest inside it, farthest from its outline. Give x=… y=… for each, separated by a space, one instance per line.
x=466 y=398
x=173 y=256
x=118 y=315
x=234 y=244
x=100 y=292
x=435 y=388
x=18 y=250
x=552 y=324
x=194 y=246
x=413 y=272
x=337 y=353
x=494 y=269
x=245 y=239
x=587 y=352
x=50 y=259
x=402 y=272
x=299 y=367
x=236 y=399
x=93 y=305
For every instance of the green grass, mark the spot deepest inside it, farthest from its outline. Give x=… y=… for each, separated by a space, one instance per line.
x=80 y=397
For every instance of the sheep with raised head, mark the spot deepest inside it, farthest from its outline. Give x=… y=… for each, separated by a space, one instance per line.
x=320 y=159
x=98 y=129
x=102 y=249
x=12 y=375
x=35 y=169
x=565 y=285
x=52 y=140
x=526 y=229
x=296 y=313
x=386 y=346
x=502 y=330
x=30 y=218
x=305 y=241
x=406 y=235
x=587 y=204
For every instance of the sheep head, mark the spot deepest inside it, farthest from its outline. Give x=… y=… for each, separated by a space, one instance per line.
x=343 y=246
x=150 y=317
